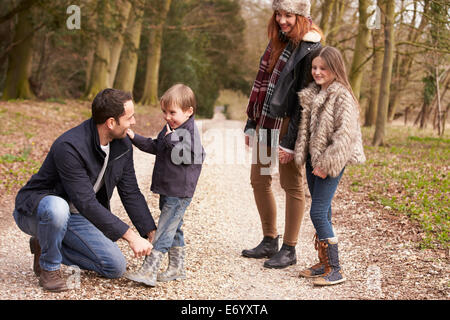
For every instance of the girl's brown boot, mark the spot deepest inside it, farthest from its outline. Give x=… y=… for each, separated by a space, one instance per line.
x=319 y=268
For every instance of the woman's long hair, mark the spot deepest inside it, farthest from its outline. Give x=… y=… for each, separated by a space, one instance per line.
x=302 y=26
x=335 y=62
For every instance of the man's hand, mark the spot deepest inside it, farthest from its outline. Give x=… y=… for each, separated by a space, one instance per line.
x=140 y=246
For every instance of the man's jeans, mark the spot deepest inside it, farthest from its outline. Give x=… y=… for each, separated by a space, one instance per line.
x=169 y=233
x=70 y=239
x=322 y=193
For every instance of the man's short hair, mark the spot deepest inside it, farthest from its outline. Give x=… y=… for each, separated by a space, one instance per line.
x=109 y=103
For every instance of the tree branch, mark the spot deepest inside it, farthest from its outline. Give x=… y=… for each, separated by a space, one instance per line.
x=22 y=6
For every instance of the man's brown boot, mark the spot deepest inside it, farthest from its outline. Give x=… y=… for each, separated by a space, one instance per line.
x=36 y=250
x=52 y=281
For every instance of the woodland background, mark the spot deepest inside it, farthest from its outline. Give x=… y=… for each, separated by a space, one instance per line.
x=396 y=51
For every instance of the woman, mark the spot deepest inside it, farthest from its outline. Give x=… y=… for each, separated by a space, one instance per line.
x=273 y=119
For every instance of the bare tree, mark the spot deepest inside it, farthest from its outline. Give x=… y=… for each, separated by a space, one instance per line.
x=361 y=49
x=375 y=77
x=126 y=72
x=20 y=58
x=150 y=95
x=389 y=44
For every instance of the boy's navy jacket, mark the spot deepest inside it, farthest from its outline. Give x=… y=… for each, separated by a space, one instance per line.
x=179 y=158
x=70 y=171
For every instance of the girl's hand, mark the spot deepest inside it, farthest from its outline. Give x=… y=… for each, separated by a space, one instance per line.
x=169 y=130
x=130 y=133
x=319 y=173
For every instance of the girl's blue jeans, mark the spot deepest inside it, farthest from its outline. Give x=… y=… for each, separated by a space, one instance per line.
x=322 y=193
x=169 y=233
x=70 y=239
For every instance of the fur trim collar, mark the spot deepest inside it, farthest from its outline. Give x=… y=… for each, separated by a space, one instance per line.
x=312 y=91
x=312 y=36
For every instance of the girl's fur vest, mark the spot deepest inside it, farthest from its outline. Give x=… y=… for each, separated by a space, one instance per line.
x=329 y=129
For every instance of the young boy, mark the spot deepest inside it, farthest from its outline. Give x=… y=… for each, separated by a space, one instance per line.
x=179 y=158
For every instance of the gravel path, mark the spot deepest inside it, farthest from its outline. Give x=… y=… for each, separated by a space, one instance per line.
x=378 y=250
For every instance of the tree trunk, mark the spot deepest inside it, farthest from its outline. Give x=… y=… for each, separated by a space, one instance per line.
x=99 y=72
x=327 y=7
x=123 y=11
x=361 y=49
x=102 y=56
x=438 y=102
x=150 y=95
x=126 y=72
x=383 y=101
x=435 y=105
x=17 y=85
x=402 y=74
x=377 y=68
x=336 y=21
x=91 y=25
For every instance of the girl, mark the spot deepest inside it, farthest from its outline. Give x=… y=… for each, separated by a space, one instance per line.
x=273 y=112
x=329 y=138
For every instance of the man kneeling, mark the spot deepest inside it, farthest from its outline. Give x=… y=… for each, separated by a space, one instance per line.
x=65 y=207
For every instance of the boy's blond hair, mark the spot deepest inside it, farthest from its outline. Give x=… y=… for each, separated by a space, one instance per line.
x=179 y=95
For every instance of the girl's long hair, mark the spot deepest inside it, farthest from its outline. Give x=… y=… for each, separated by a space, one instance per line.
x=335 y=62
x=302 y=26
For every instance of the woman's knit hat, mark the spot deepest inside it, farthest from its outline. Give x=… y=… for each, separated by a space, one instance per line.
x=300 y=7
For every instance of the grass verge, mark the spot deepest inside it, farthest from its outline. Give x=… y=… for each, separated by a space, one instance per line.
x=409 y=175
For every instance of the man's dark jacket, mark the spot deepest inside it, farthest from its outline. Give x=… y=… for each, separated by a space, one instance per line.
x=70 y=171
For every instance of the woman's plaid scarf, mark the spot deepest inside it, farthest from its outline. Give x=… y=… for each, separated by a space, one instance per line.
x=263 y=88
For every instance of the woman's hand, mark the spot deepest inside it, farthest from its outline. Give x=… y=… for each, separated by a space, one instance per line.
x=284 y=157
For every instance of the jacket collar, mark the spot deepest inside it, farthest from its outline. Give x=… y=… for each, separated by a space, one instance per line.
x=118 y=147
x=312 y=93
x=311 y=41
x=187 y=125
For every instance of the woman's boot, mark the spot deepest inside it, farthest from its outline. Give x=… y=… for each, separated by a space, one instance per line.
x=148 y=272
x=266 y=249
x=333 y=272
x=175 y=270
x=319 y=268
x=283 y=258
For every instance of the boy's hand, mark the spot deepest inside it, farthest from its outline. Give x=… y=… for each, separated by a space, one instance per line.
x=169 y=130
x=130 y=133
